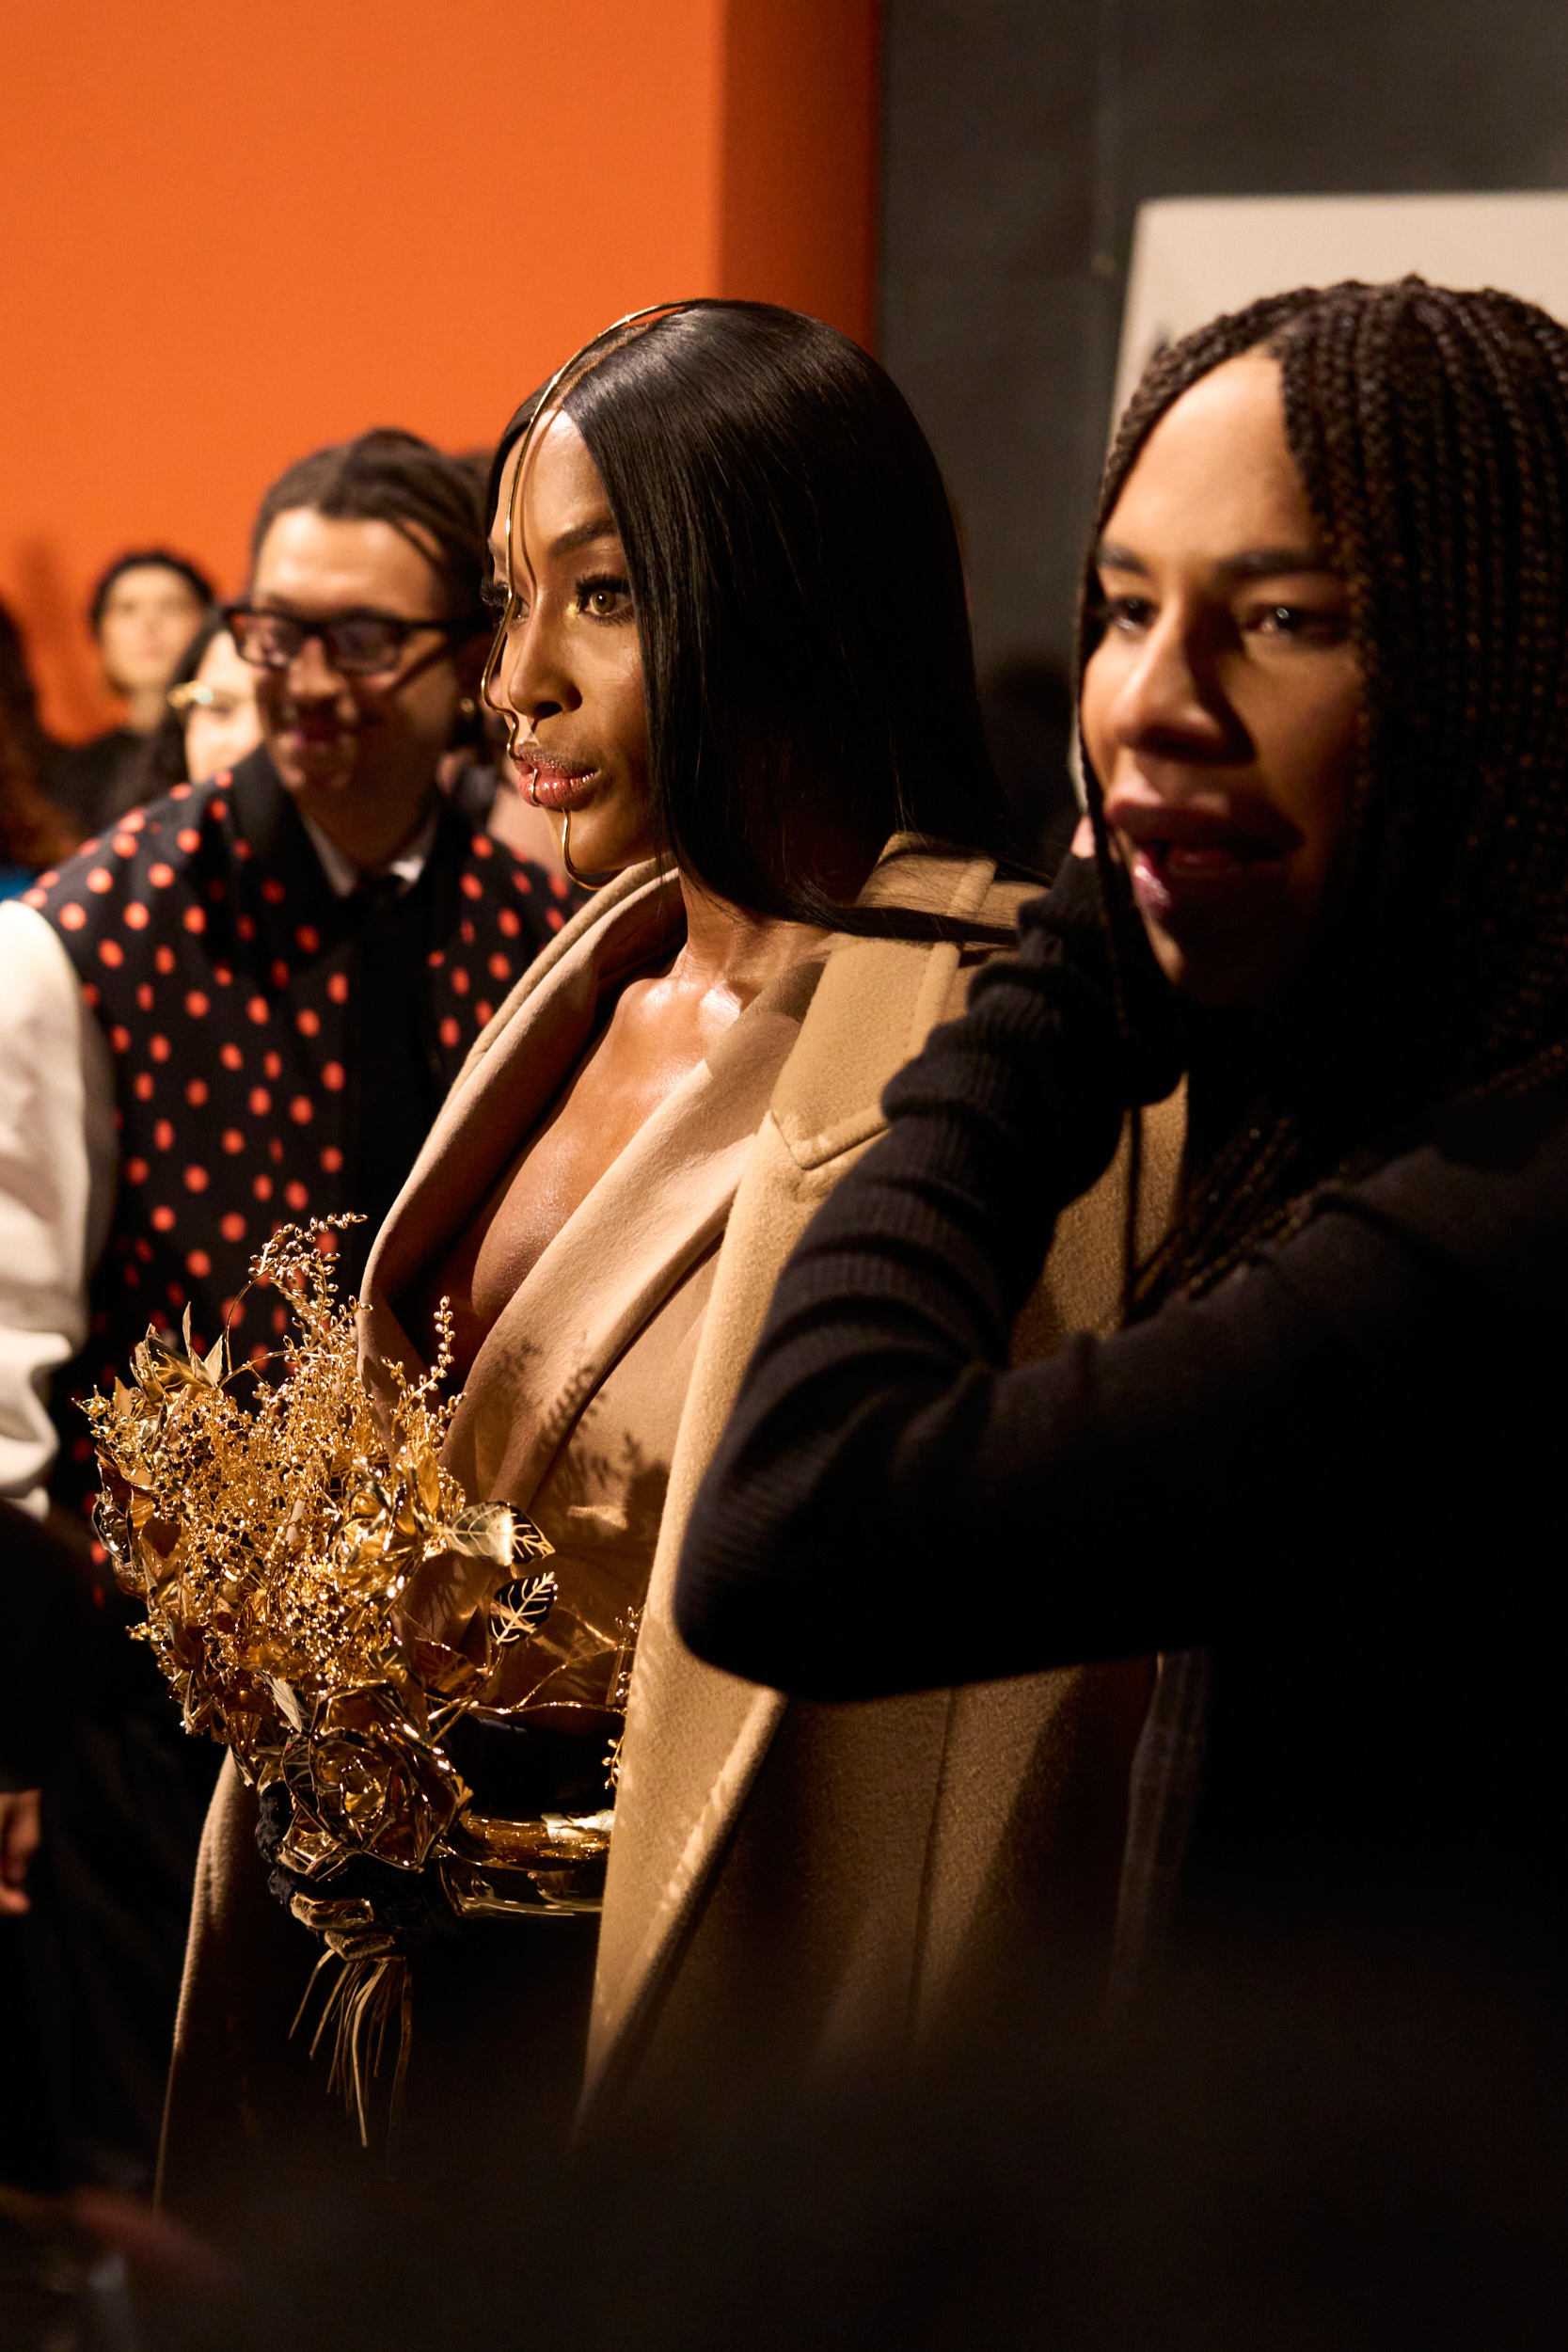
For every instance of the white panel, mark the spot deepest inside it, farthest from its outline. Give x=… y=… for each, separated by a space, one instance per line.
x=1194 y=256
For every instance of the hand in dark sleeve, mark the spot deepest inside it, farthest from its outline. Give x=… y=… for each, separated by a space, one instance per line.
x=893 y=1508
x=900 y=1300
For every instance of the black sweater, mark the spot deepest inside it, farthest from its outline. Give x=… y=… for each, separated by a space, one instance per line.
x=1338 y=1476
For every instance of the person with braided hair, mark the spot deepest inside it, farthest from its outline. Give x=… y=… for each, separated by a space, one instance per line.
x=1324 y=714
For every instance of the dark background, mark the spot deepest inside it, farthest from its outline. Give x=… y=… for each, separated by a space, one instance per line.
x=1021 y=135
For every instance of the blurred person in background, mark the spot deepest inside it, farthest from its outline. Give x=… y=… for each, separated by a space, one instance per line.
x=19 y=702
x=210 y=718
x=143 y=612
x=34 y=832
x=244 y=1006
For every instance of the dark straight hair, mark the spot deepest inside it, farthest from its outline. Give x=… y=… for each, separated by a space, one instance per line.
x=800 y=600
x=1430 y=428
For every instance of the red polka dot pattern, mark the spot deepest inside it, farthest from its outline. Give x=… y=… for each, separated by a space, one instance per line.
x=225 y=987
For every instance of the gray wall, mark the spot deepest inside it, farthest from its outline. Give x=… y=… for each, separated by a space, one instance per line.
x=1021 y=135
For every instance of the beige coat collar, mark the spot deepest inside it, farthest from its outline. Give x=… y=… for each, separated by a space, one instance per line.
x=652 y=1215
x=695 y=1738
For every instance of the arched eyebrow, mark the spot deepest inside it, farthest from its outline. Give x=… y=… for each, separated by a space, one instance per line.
x=584 y=536
x=1257 y=564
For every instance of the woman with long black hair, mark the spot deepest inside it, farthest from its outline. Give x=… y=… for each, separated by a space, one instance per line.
x=734 y=653
x=1324 y=714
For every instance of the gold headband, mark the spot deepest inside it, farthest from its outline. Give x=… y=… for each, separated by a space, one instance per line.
x=542 y=409
x=565 y=376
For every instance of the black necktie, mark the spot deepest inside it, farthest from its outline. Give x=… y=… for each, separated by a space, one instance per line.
x=395 y=1078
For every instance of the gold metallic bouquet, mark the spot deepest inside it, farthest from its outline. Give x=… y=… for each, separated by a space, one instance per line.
x=304 y=1570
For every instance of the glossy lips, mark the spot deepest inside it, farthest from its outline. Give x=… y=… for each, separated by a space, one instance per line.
x=1188 y=860
x=555 y=784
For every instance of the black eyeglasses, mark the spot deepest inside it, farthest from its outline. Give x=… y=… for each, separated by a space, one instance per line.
x=356 y=645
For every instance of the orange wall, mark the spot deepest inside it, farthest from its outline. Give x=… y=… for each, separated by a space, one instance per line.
x=231 y=232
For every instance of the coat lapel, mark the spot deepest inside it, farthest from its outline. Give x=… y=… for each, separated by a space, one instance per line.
x=657 y=1210
x=653 y=1215
x=516 y=1067
x=695 y=1737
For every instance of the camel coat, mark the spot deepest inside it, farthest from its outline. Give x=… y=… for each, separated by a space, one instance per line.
x=790 y=1887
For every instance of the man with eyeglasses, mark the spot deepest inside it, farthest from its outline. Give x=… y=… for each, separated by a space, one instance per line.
x=242 y=1007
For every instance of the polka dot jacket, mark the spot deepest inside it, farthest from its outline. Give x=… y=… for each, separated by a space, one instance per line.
x=225 y=974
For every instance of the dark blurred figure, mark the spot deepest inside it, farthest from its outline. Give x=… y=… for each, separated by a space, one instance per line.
x=46 y=1620
x=1027 y=708
x=210 y=716
x=19 y=702
x=33 y=832
x=143 y=613
x=1207 y=2178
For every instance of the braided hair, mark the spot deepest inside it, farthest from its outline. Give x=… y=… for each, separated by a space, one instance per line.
x=1430 y=428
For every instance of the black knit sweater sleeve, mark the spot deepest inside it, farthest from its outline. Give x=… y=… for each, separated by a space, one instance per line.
x=893 y=1508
